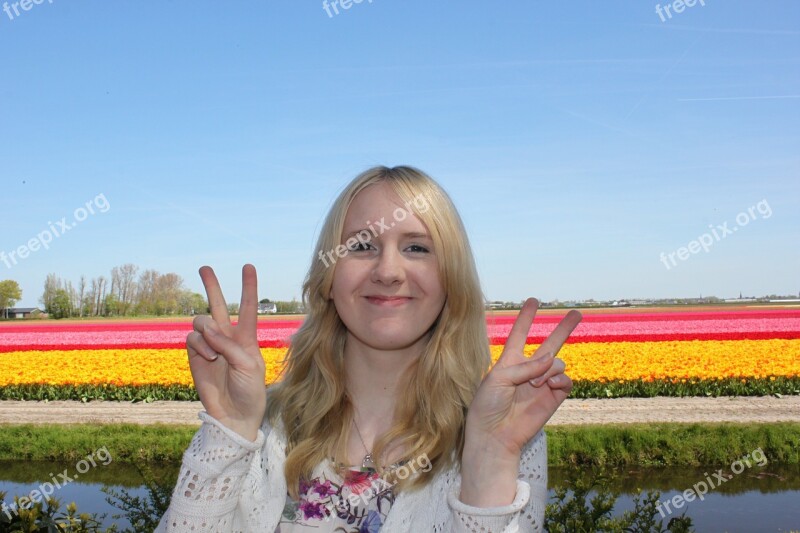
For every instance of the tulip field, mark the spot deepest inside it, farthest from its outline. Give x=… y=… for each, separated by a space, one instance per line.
x=610 y=354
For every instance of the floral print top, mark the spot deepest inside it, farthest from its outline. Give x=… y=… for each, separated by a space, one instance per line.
x=357 y=503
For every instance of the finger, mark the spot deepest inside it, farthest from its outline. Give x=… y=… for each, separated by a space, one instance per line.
x=199 y=322
x=527 y=370
x=556 y=368
x=552 y=344
x=248 y=308
x=197 y=344
x=228 y=348
x=515 y=344
x=216 y=301
x=560 y=381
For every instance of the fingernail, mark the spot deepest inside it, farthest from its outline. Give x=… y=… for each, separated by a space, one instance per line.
x=536 y=382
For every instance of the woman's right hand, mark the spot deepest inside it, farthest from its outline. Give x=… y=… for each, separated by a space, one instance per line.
x=226 y=363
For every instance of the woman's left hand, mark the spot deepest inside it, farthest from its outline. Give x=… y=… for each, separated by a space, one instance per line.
x=520 y=394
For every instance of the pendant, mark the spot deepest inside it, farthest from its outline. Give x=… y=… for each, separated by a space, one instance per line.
x=367 y=462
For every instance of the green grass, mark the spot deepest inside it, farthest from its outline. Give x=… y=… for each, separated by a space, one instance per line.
x=598 y=445
x=582 y=389
x=769 y=386
x=670 y=444
x=125 y=442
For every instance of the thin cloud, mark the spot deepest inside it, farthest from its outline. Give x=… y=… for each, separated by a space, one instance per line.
x=718 y=98
x=663 y=77
x=723 y=30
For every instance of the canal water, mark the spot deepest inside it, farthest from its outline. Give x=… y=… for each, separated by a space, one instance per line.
x=759 y=499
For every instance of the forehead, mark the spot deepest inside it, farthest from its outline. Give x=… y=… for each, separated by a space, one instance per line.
x=379 y=200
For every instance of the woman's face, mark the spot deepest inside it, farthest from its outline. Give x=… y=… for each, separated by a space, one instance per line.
x=386 y=288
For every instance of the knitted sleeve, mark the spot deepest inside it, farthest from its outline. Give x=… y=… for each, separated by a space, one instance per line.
x=222 y=477
x=525 y=513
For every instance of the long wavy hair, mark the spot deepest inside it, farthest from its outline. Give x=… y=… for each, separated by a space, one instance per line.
x=310 y=401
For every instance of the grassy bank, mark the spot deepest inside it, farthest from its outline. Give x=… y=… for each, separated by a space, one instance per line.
x=601 y=445
x=125 y=443
x=672 y=444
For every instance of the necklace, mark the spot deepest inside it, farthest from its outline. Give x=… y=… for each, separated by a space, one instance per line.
x=367 y=462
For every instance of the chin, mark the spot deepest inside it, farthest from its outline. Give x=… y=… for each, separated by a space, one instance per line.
x=384 y=342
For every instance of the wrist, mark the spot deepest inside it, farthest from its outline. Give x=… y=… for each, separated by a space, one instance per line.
x=243 y=428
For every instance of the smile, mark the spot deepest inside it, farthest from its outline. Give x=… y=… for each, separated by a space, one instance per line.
x=388 y=302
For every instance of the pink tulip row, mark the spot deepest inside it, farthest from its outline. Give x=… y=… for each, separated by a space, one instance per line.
x=593 y=328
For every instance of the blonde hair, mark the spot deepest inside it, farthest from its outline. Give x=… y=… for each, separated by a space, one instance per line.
x=310 y=400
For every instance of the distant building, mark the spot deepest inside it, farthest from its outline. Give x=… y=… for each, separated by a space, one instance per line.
x=20 y=312
x=267 y=308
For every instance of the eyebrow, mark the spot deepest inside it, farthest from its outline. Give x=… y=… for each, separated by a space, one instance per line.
x=407 y=234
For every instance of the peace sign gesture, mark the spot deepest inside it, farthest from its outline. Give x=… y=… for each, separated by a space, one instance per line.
x=514 y=401
x=519 y=395
x=231 y=387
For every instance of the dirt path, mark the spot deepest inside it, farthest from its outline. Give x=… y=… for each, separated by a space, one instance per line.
x=621 y=410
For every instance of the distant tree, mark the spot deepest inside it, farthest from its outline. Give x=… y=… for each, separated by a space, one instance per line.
x=288 y=307
x=192 y=303
x=81 y=295
x=51 y=285
x=60 y=299
x=146 y=293
x=168 y=291
x=60 y=305
x=10 y=294
x=123 y=283
x=112 y=305
x=98 y=291
x=233 y=309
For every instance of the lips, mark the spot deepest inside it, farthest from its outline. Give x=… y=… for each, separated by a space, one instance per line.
x=388 y=301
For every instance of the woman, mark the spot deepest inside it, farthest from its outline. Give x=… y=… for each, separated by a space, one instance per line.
x=385 y=417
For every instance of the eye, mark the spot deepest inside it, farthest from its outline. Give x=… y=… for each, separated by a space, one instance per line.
x=420 y=248
x=360 y=246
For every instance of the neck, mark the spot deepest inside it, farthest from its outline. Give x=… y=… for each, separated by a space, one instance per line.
x=374 y=381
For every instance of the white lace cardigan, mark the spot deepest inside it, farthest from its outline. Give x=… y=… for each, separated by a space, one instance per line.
x=230 y=484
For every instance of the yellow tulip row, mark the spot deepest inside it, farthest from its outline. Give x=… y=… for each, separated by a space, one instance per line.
x=599 y=362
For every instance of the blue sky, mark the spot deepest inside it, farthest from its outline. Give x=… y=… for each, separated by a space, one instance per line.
x=579 y=140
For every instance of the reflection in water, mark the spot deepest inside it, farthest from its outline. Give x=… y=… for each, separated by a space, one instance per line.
x=759 y=499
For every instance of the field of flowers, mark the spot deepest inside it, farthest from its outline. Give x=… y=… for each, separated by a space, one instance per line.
x=608 y=355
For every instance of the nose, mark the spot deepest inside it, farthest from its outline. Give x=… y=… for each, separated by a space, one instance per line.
x=389 y=266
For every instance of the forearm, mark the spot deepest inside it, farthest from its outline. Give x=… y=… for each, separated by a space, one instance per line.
x=213 y=471
x=488 y=474
x=524 y=514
